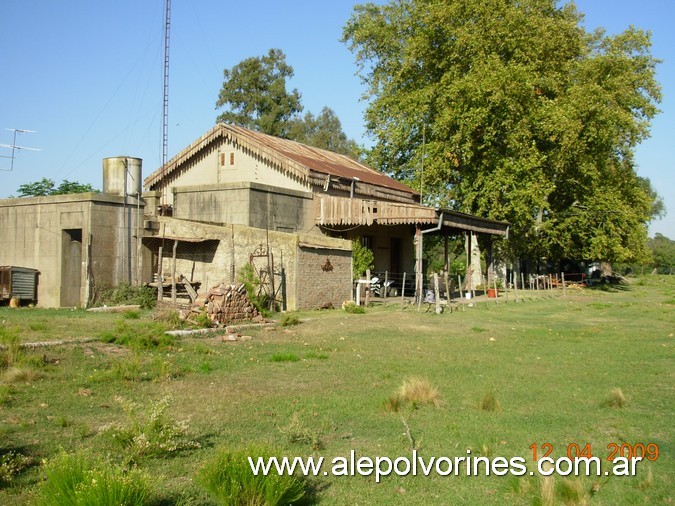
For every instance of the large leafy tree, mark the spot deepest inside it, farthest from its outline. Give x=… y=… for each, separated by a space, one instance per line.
x=255 y=95
x=46 y=187
x=323 y=131
x=520 y=115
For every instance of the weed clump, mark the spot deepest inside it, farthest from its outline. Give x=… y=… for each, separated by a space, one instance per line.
x=289 y=319
x=616 y=399
x=125 y=294
x=284 y=357
x=352 y=308
x=229 y=480
x=149 y=431
x=489 y=402
x=12 y=464
x=413 y=392
x=145 y=336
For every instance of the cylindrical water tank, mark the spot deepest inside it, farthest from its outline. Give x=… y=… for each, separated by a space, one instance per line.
x=122 y=173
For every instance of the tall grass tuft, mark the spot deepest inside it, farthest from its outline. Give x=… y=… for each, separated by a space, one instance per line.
x=489 y=402
x=572 y=492
x=616 y=399
x=229 y=480
x=413 y=392
x=10 y=352
x=74 y=480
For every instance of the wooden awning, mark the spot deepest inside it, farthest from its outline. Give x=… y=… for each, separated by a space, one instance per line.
x=345 y=211
x=354 y=211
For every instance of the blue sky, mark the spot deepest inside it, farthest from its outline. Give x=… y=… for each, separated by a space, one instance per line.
x=87 y=76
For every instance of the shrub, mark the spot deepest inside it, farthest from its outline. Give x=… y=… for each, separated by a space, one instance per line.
x=352 y=308
x=75 y=480
x=230 y=481
x=124 y=294
x=362 y=258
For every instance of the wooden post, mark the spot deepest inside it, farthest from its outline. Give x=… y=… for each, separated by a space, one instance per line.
x=403 y=292
x=514 y=277
x=173 y=272
x=522 y=282
x=562 y=275
x=160 y=285
x=419 y=282
x=448 y=294
x=437 y=295
x=461 y=294
x=494 y=285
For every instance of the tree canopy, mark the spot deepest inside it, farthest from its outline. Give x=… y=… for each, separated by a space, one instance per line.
x=46 y=187
x=520 y=115
x=256 y=97
x=255 y=93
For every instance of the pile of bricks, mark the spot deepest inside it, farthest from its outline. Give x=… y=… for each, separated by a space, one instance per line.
x=226 y=303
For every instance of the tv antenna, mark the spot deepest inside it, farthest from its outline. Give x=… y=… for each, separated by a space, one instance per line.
x=14 y=147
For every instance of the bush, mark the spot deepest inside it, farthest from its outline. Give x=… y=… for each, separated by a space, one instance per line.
x=230 y=481
x=362 y=259
x=75 y=480
x=124 y=294
x=352 y=308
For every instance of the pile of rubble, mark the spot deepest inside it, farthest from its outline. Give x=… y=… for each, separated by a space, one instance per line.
x=226 y=303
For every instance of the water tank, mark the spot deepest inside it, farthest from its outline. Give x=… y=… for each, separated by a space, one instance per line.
x=120 y=172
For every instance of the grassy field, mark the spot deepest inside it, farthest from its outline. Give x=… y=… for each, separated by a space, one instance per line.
x=596 y=367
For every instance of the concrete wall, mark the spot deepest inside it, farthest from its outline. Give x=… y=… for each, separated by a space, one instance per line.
x=246 y=203
x=213 y=250
x=52 y=234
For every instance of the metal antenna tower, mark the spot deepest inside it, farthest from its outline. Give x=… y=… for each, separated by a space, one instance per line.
x=14 y=147
x=165 y=112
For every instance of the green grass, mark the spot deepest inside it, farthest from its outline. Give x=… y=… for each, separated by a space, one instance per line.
x=595 y=367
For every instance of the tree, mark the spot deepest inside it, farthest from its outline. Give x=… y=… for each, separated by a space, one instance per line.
x=663 y=251
x=323 y=131
x=255 y=93
x=46 y=187
x=520 y=115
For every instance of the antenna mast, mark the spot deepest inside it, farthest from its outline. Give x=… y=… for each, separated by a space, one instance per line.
x=165 y=111
x=14 y=147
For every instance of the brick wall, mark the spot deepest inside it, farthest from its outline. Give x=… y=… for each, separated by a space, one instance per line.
x=324 y=276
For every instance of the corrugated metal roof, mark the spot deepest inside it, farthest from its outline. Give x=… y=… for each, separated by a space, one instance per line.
x=287 y=156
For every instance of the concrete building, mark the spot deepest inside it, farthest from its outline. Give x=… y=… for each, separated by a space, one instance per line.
x=234 y=176
x=78 y=243
x=233 y=198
